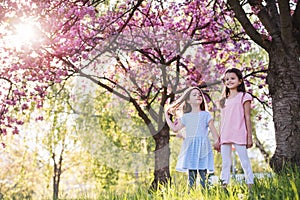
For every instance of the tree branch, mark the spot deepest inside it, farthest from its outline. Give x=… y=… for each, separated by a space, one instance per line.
x=246 y=24
x=256 y=72
x=296 y=15
x=269 y=17
x=296 y=22
x=286 y=22
x=128 y=98
x=139 y=2
x=262 y=149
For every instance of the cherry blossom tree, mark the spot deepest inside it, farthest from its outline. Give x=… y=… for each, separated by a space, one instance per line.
x=147 y=44
x=144 y=52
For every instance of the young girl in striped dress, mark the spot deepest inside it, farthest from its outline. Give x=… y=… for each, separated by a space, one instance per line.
x=196 y=155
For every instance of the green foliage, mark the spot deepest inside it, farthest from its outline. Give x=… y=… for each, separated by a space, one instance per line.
x=104 y=175
x=19 y=171
x=116 y=138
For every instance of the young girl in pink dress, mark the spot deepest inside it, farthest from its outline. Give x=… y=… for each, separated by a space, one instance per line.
x=235 y=126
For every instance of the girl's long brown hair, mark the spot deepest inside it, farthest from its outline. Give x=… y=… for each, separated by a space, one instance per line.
x=183 y=100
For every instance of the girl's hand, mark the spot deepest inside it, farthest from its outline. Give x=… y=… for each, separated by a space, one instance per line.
x=174 y=126
x=217 y=146
x=180 y=136
x=167 y=114
x=249 y=142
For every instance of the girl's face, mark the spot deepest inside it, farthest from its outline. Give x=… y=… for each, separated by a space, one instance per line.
x=231 y=80
x=195 y=97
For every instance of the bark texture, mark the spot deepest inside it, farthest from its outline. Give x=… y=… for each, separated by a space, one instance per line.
x=162 y=158
x=284 y=85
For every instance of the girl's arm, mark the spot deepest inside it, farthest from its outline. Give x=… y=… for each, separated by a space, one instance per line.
x=214 y=131
x=215 y=135
x=247 y=112
x=175 y=127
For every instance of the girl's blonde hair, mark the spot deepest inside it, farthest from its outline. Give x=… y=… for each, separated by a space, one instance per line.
x=182 y=101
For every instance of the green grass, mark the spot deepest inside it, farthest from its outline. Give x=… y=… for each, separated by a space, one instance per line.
x=283 y=186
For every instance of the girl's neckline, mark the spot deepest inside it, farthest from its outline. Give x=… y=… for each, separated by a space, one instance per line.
x=196 y=112
x=237 y=94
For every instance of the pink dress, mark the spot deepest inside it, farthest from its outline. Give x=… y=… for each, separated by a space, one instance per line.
x=233 y=126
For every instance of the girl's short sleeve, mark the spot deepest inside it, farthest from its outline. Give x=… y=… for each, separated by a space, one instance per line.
x=208 y=117
x=247 y=97
x=183 y=119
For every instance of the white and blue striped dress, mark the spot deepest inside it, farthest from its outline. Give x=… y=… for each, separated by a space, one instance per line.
x=196 y=151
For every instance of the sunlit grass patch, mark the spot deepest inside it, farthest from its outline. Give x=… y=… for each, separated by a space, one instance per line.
x=278 y=186
x=285 y=185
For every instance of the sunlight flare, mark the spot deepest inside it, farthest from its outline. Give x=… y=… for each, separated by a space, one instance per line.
x=23 y=35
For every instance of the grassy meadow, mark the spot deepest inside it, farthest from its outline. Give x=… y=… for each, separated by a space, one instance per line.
x=283 y=186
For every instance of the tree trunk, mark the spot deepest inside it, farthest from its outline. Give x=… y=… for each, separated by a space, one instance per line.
x=284 y=85
x=162 y=158
x=56 y=177
x=57 y=170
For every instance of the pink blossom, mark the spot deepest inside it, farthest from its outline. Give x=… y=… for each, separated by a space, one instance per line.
x=39 y=118
x=15 y=131
x=25 y=106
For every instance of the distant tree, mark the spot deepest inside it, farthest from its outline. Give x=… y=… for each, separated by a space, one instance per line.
x=19 y=170
x=113 y=134
x=58 y=130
